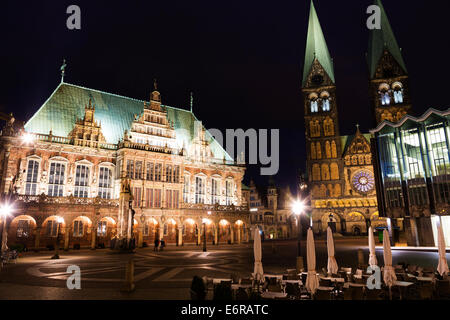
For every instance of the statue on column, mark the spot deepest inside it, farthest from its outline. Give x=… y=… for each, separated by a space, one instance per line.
x=126 y=218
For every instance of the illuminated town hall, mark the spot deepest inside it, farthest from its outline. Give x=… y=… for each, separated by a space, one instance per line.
x=90 y=166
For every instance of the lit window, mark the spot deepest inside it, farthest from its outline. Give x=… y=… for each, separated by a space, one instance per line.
x=78 y=228
x=186 y=189
x=32 y=175
x=215 y=191
x=23 y=229
x=56 y=179
x=105 y=183
x=229 y=192
x=52 y=228
x=102 y=228
x=82 y=181
x=199 y=190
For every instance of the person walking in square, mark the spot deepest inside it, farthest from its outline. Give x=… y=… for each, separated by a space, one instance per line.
x=156 y=244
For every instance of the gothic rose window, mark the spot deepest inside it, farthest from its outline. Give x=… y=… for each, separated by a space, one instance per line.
x=363 y=181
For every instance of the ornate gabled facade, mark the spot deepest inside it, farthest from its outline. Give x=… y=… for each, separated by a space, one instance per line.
x=90 y=166
x=388 y=83
x=339 y=167
x=270 y=211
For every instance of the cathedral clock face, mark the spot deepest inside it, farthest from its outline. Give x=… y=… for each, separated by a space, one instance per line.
x=363 y=181
x=317 y=79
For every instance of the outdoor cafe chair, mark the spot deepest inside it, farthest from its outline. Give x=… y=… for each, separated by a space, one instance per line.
x=325 y=283
x=246 y=281
x=322 y=295
x=426 y=291
x=292 y=290
x=357 y=293
x=443 y=289
x=241 y=294
x=374 y=294
x=274 y=288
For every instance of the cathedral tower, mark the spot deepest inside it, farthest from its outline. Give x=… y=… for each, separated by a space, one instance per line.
x=388 y=77
x=323 y=142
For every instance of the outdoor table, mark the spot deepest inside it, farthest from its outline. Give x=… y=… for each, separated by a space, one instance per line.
x=218 y=281
x=402 y=285
x=243 y=286
x=278 y=276
x=325 y=288
x=333 y=279
x=429 y=279
x=351 y=284
x=292 y=281
x=273 y=295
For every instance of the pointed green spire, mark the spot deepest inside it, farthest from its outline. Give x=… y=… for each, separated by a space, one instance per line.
x=316 y=47
x=379 y=39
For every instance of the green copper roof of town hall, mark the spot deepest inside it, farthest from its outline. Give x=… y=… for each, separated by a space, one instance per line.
x=316 y=47
x=115 y=113
x=379 y=39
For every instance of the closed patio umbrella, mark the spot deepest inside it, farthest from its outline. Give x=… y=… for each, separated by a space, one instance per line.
x=372 y=257
x=389 y=276
x=258 y=273
x=442 y=266
x=332 y=264
x=312 y=281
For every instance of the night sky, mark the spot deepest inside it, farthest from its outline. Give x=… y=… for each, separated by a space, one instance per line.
x=242 y=59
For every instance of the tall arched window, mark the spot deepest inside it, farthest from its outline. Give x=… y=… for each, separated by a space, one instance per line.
x=328 y=149
x=398 y=92
x=314 y=106
x=325 y=96
x=316 y=172
x=328 y=127
x=318 y=150
x=383 y=91
x=333 y=149
x=313 y=151
x=325 y=171
x=337 y=190
x=314 y=127
x=334 y=171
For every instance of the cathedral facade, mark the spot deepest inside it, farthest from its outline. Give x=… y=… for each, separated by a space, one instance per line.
x=91 y=166
x=340 y=167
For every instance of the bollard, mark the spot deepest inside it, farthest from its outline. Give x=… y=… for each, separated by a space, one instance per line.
x=128 y=286
x=360 y=258
x=300 y=267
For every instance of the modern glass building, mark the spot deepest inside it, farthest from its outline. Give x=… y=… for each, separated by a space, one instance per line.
x=412 y=168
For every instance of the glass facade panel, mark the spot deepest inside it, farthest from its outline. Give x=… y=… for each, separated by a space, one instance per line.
x=439 y=162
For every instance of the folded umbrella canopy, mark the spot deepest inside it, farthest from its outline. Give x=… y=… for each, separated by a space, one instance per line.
x=372 y=257
x=312 y=281
x=258 y=273
x=442 y=266
x=332 y=264
x=389 y=276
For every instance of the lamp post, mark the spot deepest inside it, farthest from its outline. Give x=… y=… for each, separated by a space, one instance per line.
x=298 y=208
x=59 y=220
x=5 y=211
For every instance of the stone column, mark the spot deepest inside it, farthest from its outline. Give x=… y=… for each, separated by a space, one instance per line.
x=140 y=236
x=411 y=231
x=216 y=236
x=66 y=238
x=37 y=239
x=93 y=237
x=199 y=234
x=180 y=235
x=232 y=234
x=239 y=235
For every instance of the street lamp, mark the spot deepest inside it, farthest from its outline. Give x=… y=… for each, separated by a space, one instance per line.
x=59 y=220
x=27 y=138
x=298 y=207
x=5 y=211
